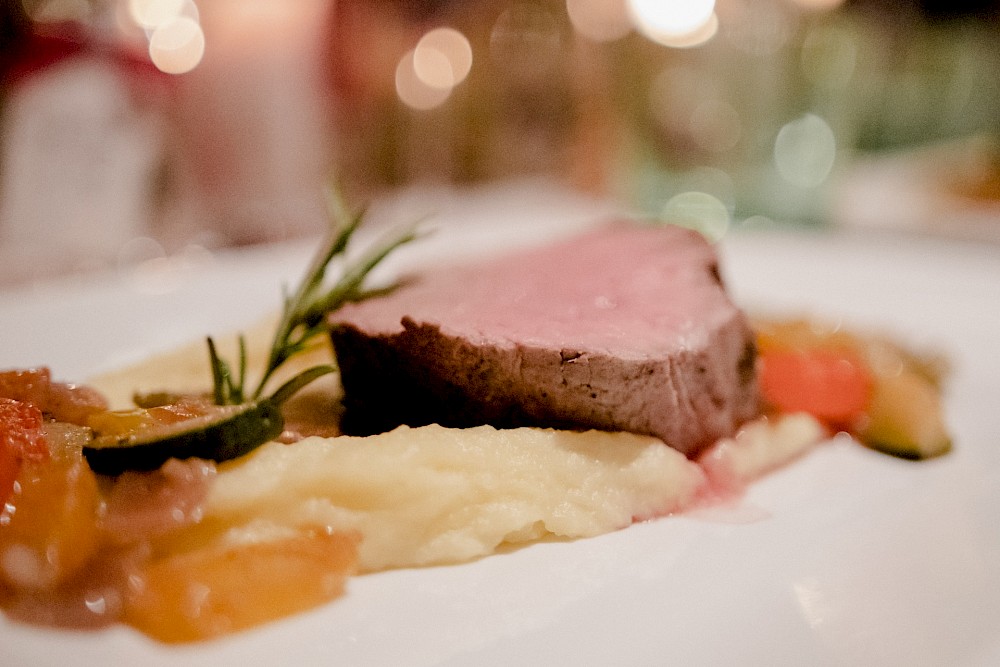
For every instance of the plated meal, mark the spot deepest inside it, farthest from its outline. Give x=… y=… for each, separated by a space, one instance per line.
x=562 y=391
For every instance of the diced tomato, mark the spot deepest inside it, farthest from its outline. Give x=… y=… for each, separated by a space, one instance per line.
x=21 y=439
x=833 y=385
x=63 y=402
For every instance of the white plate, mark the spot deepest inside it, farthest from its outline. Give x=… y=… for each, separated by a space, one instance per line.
x=846 y=557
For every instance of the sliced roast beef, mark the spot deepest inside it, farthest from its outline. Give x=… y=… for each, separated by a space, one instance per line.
x=624 y=328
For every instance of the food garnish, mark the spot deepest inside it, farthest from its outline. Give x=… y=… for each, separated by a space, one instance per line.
x=886 y=396
x=236 y=420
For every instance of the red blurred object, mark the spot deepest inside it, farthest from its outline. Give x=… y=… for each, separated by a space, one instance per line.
x=45 y=45
x=21 y=439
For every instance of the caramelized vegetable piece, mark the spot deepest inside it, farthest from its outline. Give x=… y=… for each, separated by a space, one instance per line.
x=218 y=590
x=221 y=433
x=146 y=438
x=48 y=528
x=905 y=417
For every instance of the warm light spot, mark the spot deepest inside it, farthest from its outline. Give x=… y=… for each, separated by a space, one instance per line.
x=696 y=37
x=178 y=46
x=151 y=14
x=442 y=58
x=600 y=20
x=688 y=40
x=699 y=211
x=681 y=23
x=804 y=151
x=433 y=68
x=190 y=10
x=414 y=92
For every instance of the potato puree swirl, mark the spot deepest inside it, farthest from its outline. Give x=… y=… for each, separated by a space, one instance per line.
x=430 y=495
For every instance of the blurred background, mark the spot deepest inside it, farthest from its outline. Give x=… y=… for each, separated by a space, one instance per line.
x=138 y=130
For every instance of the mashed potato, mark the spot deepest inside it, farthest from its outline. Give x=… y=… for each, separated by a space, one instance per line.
x=431 y=495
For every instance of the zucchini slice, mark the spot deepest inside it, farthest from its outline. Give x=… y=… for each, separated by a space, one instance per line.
x=224 y=434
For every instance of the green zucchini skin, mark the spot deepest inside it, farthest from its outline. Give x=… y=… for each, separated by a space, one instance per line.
x=229 y=437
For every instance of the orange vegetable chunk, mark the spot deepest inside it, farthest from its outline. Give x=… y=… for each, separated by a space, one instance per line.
x=833 y=385
x=215 y=590
x=48 y=528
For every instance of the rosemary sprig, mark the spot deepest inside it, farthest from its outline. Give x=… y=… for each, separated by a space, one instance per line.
x=304 y=311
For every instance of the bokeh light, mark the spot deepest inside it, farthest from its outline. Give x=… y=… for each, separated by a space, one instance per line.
x=175 y=39
x=679 y=24
x=442 y=58
x=413 y=91
x=699 y=211
x=805 y=150
x=150 y=14
x=177 y=46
